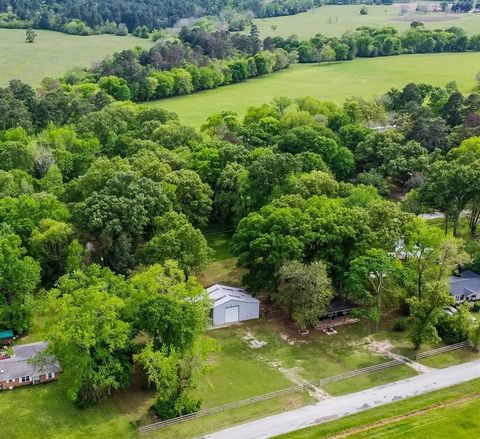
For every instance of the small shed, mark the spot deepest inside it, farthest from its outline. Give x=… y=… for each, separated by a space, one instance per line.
x=231 y=305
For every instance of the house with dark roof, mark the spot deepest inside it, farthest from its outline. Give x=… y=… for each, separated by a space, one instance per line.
x=23 y=367
x=466 y=287
x=232 y=305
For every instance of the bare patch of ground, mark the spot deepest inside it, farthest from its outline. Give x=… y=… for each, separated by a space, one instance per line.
x=293 y=375
x=425 y=18
x=252 y=341
x=385 y=348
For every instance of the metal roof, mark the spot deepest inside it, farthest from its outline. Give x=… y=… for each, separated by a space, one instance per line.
x=20 y=364
x=222 y=293
x=466 y=284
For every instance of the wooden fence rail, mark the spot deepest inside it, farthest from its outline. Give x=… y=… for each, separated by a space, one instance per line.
x=354 y=373
x=452 y=347
x=221 y=408
x=294 y=389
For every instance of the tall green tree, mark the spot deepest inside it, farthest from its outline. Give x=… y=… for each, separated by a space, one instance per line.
x=89 y=335
x=305 y=291
x=19 y=275
x=372 y=282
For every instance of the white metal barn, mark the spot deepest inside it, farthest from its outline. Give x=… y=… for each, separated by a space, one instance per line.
x=230 y=305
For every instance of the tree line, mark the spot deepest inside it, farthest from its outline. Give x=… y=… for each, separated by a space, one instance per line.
x=84 y=17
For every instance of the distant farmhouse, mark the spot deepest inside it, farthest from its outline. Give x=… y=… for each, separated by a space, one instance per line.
x=232 y=305
x=466 y=287
x=20 y=369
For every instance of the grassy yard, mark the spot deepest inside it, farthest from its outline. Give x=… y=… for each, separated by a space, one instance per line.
x=452 y=412
x=53 y=53
x=335 y=20
x=315 y=356
x=366 y=77
x=44 y=411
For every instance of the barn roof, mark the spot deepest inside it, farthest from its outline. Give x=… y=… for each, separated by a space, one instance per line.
x=466 y=284
x=221 y=294
x=21 y=363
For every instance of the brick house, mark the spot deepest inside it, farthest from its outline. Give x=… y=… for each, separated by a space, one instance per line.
x=20 y=369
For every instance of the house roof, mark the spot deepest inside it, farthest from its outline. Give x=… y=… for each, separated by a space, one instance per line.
x=339 y=305
x=21 y=362
x=6 y=334
x=221 y=294
x=466 y=284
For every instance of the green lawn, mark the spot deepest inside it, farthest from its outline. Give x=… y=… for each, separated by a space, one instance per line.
x=44 y=411
x=317 y=355
x=448 y=413
x=53 y=53
x=335 y=20
x=237 y=372
x=366 y=77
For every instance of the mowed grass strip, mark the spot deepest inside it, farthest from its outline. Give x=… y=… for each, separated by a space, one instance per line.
x=334 y=21
x=452 y=412
x=365 y=77
x=53 y=53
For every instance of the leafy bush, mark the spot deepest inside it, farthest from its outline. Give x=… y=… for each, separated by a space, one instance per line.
x=400 y=324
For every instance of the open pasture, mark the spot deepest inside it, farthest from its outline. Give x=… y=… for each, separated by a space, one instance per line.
x=335 y=20
x=53 y=53
x=365 y=77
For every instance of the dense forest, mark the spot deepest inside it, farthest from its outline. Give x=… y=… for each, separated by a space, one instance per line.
x=155 y=14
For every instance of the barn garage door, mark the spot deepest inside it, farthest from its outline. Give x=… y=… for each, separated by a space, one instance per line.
x=231 y=314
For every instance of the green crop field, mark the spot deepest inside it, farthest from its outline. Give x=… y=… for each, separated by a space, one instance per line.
x=53 y=53
x=335 y=20
x=364 y=77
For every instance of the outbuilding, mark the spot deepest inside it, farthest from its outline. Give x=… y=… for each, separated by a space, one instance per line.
x=232 y=305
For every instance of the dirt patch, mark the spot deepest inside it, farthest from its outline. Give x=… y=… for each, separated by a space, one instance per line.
x=290 y=340
x=252 y=341
x=425 y=18
x=385 y=349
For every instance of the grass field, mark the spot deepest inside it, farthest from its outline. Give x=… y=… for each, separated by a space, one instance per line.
x=335 y=20
x=449 y=413
x=53 y=53
x=366 y=77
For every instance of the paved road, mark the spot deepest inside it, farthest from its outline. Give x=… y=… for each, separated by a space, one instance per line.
x=344 y=405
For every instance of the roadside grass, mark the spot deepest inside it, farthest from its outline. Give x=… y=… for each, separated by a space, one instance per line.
x=366 y=381
x=335 y=82
x=458 y=421
x=53 y=53
x=438 y=422
x=452 y=358
x=334 y=20
x=208 y=424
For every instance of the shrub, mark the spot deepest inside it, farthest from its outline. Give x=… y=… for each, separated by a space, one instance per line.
x=400 y=324
x=363 y=10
